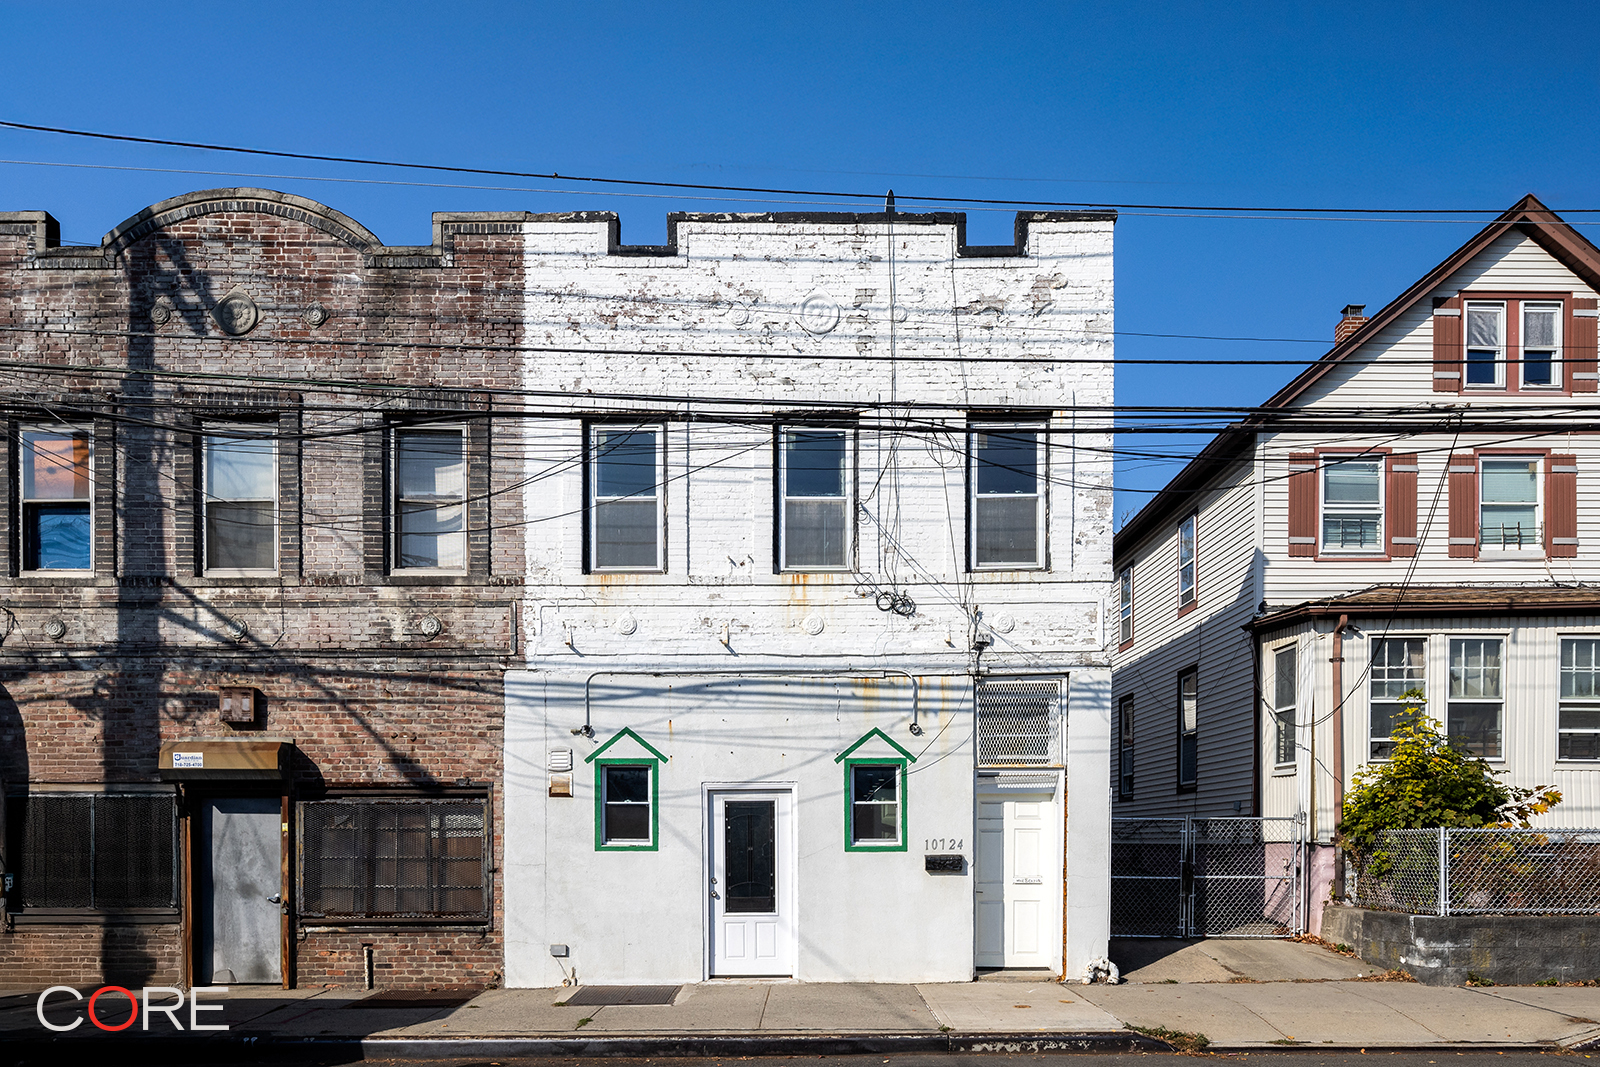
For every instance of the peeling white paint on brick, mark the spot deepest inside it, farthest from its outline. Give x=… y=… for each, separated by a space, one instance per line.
x=754 y=310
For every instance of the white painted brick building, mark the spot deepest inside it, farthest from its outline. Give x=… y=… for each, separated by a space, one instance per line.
x=815 y=620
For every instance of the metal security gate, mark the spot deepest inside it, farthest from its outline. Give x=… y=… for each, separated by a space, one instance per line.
x=1223 y=877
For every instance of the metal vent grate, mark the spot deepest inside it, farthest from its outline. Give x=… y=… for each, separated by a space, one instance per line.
x=1019 y=724
x=394 y=859
x=107 y=851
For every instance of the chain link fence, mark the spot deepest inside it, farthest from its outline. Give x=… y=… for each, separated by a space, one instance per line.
x=1148 y=897
x=1215 y=877
x=1482 y=872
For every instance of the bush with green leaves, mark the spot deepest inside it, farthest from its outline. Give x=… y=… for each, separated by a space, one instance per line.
x=1427 y=782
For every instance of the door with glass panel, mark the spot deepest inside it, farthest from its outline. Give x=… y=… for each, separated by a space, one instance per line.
x=751 y=884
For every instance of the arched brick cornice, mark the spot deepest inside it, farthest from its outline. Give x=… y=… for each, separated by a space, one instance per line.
x=335 y=224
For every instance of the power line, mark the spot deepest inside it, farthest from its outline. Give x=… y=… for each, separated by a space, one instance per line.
x=653 y=183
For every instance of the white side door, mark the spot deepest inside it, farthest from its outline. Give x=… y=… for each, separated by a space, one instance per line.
x=1018 y=878
x=751 y=884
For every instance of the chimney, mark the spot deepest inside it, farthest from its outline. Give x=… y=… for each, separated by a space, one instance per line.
x=1353 y=320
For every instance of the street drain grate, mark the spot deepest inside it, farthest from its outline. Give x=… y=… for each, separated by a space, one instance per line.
x=599 y=996
x=416 y=998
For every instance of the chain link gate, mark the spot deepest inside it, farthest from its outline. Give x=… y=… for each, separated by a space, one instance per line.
x=1221 y=877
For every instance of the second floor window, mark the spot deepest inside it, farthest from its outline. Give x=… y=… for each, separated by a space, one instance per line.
x=1186 y=571
x=430 y=494
x=1509 y=503
x=1352 y=504
x=1007 y=506
x=1125 y=603
x=57 y=532
x=625 y=493
x=815 y=528
x=240 y=465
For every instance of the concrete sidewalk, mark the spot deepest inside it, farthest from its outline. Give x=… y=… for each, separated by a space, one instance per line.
x=1240 y=995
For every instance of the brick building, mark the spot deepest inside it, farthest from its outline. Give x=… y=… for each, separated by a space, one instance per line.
x=260 y=579
x=816 y=645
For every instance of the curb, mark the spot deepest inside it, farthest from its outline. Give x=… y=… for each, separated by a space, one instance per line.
x=1373 y=1049
x=28 y=1051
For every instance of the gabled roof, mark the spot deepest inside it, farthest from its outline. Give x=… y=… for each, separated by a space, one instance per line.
x=1528 y=216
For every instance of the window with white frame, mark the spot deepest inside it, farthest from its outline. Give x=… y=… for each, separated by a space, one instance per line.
x=1186 y=562
x=1352 y=504
x=1476 y=702
x=1125 y=603
x=1513 y=344
x=240 y=464
x=626 y=798
x=1008 y=499
x=815 y=529
x=625 y=519
x=1509 y=503
x=1398 y=666
x=1188 y=729
x=1578 y=725
x=1284 y=698
x=57 y=502
x=1125 y=747
x=430 y=499
x=1486 y=344
x=1541 y=344
x=876 y=804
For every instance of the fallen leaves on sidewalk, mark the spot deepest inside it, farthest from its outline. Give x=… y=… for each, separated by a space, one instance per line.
x=1320 y=942
x=1383 y=976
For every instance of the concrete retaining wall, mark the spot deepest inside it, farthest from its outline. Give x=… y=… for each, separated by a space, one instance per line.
x=1444 y=950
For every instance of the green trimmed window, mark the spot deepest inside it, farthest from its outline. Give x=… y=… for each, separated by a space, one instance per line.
x=875 y=805
x=626 y=808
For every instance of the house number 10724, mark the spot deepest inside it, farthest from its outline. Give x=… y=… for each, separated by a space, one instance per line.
x=940 y=844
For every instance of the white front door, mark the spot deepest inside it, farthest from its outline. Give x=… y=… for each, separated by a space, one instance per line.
x=751 y=872
x=1018 y=880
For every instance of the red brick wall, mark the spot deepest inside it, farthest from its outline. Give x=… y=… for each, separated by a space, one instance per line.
x=334 y=641
x=87 y=957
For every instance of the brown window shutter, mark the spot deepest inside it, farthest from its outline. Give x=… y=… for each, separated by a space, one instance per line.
x=1447 y=352
x=1561 y=506
x=1579 y=350
x=1400 y=505
x=1464 y=506
x=1302 y=503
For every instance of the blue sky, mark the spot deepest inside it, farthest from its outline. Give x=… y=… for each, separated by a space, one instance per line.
x=1398 y=105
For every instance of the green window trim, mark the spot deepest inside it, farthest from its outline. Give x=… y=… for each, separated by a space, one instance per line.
x=654 y=769
x=850 y=842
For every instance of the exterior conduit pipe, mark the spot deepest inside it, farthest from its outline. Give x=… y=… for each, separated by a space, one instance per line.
x=1337 y=660
x=587 y=729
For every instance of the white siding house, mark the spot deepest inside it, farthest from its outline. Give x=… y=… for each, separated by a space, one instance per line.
x=1421 y=507
x=815 y=637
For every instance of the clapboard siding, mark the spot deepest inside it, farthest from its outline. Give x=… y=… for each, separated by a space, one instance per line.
x=1209 y=637
x=1532 y=695
x=1294 y=579
x=1244 y=557
x=1396 y=366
